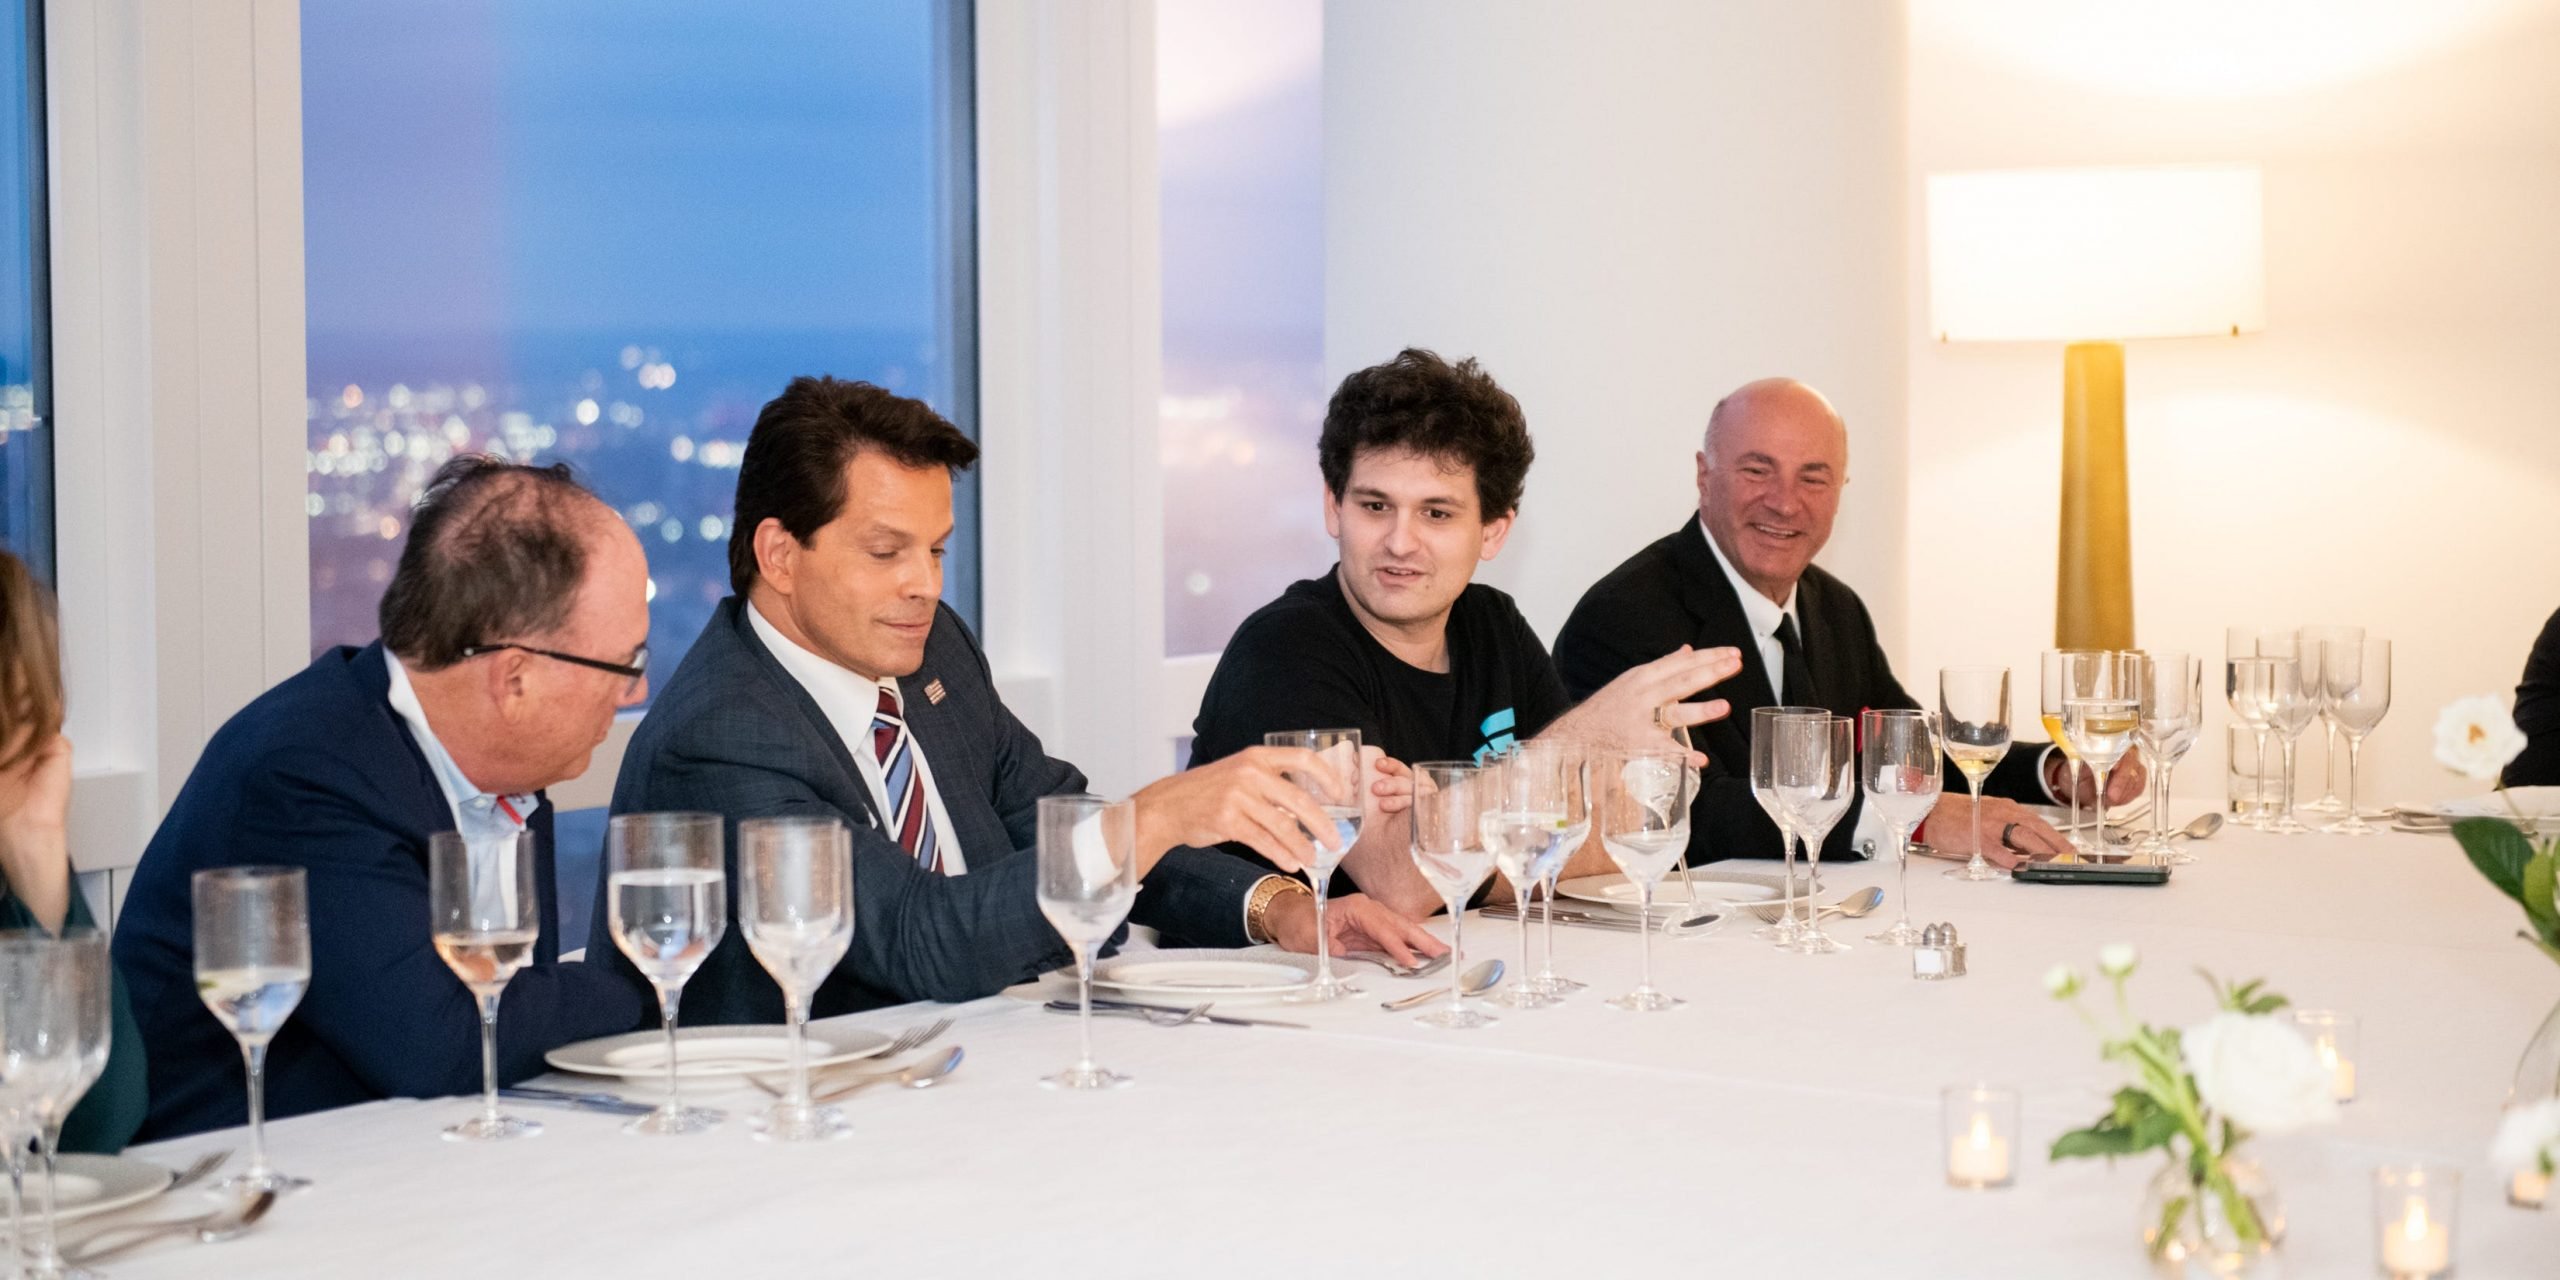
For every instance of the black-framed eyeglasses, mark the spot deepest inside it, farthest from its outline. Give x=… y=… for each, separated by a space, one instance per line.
x=633 y=671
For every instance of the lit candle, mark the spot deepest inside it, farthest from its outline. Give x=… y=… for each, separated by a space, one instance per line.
x=1980 y=1158
x=2342 y=1071
x=2527 y=1189
x=2417 y=1245
x=2333 y=1037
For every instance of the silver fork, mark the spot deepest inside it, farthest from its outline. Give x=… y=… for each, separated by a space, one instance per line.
x=211 y=1228
x=907 y=1041
x=199 y=1171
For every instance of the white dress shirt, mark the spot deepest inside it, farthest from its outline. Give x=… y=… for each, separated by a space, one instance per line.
x=850 y=700
x=1764 y=615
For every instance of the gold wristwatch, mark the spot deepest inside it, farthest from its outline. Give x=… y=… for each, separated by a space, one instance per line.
x=1257 y=907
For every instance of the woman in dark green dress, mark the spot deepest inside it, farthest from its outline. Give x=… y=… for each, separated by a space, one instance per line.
x=36 y=888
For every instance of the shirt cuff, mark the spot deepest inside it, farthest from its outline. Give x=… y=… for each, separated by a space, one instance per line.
x=2044 y=776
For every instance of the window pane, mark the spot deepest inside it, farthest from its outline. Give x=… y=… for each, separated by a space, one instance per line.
x=1239 y=102
x=26 y=436
x=606 y=232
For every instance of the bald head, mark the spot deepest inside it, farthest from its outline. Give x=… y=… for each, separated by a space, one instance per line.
x=1769 y=477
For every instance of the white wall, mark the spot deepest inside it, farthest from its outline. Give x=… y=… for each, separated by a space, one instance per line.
x=2386 y=453
x=1625 y=211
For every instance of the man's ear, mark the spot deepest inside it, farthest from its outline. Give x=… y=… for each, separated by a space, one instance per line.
x=777 y=554
x=1332 y=511
x=506 y=683
x=1495 y=532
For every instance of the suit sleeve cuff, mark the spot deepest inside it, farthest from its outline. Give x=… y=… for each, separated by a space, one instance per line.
x=2044 y=775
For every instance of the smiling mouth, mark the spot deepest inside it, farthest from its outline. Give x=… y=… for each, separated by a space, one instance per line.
x=1399 y=577
x=1776 y=534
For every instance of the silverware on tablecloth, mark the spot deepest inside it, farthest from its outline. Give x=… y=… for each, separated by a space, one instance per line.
x=1222 y=1019
x=197 y=1172
x=210 y=1228
x=1479 y=978
x=1423 y=970
x=612 y=1104
x=907 y=1041
x=1609 y=920
x=1158 y=1017
x=1853 y=906
x=923 y=1075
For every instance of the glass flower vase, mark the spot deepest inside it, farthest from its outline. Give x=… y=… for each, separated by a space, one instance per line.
x=2190 y=1229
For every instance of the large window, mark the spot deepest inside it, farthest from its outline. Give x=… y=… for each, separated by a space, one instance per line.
x=606 y=232
x=26 y=435
x=1240 y=144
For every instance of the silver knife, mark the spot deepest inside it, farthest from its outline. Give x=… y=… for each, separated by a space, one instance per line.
x=1223 y=1019
x=608 y=1103
x=1613 y=923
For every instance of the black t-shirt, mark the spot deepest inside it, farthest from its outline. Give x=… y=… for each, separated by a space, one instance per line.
x=1304 y=661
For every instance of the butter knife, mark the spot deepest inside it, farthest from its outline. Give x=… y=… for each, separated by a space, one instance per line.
x=1222 y=1019
x=609 y=1103
x=1613 y=923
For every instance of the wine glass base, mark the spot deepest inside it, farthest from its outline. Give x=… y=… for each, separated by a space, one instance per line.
x=2179 y=857
x=242 y=1186
x=1817 y=943
x=784 y=1122
x=492 y=1129
x=2326 y=804
x=1900 y=935
x=673 y=1121
x=1986 y=872
x=1646 y=1000
x=2352 y=825
x=1520 y=996
x=1457 y=1018
x=2288 y=825
x=1555 y=985
x=1085 y=1079
x=1325 y=988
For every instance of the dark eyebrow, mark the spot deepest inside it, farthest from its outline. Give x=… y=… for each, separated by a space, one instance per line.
x=1365 y=493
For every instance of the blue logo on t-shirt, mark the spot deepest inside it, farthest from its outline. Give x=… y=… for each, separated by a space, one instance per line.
x=1497 y=734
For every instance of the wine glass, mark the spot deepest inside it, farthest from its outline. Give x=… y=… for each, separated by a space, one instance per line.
x=2311 y=646
x=1088 y=881
x=1521 y=812
x=1817 y=781
x=1641 y=808
x=1764 y=788
x=795 y=905
x=2251 y=642
x=1336 y=788
x=667 y=899
x=2289 y=710
x=1900 y=769
x=487 y=915
x=2068 y=674
x=55 y=1006
x=1572 y=830
x=2168 y=688
x=253 y=959
x=2359 y=678
x=1973 y=729
x=1449 y=851
x=2101 y=730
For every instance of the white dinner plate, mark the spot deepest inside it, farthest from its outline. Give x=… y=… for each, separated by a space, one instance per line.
x=87 y=1184
x=2531 y=802
x=712 y=1051
x=1715 y=888
x=1203 y=973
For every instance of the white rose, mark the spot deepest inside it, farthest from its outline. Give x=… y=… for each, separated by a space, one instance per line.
x=2116 y=960
x=2528 y=1138
x=2258 y=1073
x=2476 y=737
x=2062 y=982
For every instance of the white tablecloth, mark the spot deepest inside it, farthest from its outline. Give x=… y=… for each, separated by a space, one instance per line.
x=1785 y=1122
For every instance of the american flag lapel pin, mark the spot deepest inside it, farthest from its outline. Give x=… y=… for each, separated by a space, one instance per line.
x=933 y=692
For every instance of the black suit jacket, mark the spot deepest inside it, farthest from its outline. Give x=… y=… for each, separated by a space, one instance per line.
x=321 y=773
x=2538 y=713
x=1674 y=593
x=731 y=732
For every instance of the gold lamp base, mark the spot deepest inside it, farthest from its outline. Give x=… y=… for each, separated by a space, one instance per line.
x=2093 y=583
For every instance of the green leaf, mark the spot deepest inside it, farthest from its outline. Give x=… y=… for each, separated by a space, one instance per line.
x=2538 y=884
x=2498 y=849
x=2169 y=1215
x=2097 y=1140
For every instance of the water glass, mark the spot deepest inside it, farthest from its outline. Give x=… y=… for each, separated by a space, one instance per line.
x=1901 y=771
x=1573 y=767
x=1335 y=787
x=667 y=902
x=1817 y=781
x=795 y=905
x=1522 y=812
x=253 y=960
x=2068 y=674
x=1641 y=807
x=1764 y=788
x=56 y=1007
x=1449 y=851
x=2358 y=679
x=2168 y=685
x=1088 y=881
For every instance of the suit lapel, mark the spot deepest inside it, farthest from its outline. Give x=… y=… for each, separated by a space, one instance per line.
x=1716 y=613
x=813 y=721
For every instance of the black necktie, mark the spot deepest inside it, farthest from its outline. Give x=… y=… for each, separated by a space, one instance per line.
x=1798 y=678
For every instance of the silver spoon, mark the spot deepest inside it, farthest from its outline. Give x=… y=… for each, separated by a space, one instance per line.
x=2202 y=828
x=1479 y=978
x=1853 y=906
x=923 y=1075
x=211 y=1228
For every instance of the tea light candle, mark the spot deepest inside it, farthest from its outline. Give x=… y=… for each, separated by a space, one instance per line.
x=2527 y=1189
x=2413 y=1208
x=1980 y=1129
x=2333 y=1037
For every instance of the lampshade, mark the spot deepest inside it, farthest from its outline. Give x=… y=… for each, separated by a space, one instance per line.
x=2096 y=254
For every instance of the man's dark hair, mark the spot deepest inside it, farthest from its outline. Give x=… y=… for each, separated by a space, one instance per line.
x=1422 y=403
x=794 y=468
x=497 y=550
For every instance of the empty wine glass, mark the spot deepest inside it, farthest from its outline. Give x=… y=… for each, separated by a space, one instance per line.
x=1764 y=788
x=2253 y=642
x=2168 y=688
x=667 y=901
x=1449 y=851
x=1335 y=788
x=253 y=959
x=1088 y=881
x=795 y=905
x=55 y=1007
x=1973 y=729
x=1641 y=808
x=2275 y=685
x=2359 y=678
x=1900 y=768
x=1521 y=812
x=1572 y=830
x=486 y=916
x=2068 y=674
x=2101 y=730
x=2311 y=646
x=1817 y=780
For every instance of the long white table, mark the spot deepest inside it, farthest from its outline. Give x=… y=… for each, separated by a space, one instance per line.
x=1785 y=1122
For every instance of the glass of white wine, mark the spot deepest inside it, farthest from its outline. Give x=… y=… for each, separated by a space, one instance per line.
x=1336 y=789
x=1449 y=851
x=1973 y=729
x=667 y=900
x=55 y=1012
x=2068 y=674
x=795 y=904
x=2101 y=731
x=1901 y=772
x=253 y=960
x=1088 y=881
x=487 y=913
x=1641 y=808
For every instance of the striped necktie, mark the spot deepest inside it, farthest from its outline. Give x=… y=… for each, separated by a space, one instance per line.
x=895 y=749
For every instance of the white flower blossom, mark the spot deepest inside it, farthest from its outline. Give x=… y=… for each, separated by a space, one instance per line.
x=2259 y=1073
x=2476 y=737
x=2062 y=981
x=2528 y=1138
x=2116 y=960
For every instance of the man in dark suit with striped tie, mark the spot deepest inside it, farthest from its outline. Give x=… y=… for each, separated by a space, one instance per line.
x=836 y=682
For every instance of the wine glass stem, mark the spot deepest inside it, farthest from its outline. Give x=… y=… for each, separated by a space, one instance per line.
x=668 y=1000
x=1644 y=921
x=255 y=1055
x=1547 y=929
x=17 y=1201
x=1522 y=982
x=2288 y=781
x=489 y=1058
x=1979 y=862
x=2071 y=775
x=1902 y=873
x=2263 y=803
x=1084 y=1000
x=48 y=1140
x=2329 y=760
x=1812 y=869
x=798 y=1006
x=2355 y=749
x=1324 y=939
x=1787 y=842
x=1457 y=954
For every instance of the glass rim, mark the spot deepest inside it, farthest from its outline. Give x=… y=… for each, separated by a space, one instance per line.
x=1291 y=737
x=2414 y=1175
x=664 y=817
x=1980 y=1091
x=35 y=937
x=248 y=872
x=1080 y=801
x=791 y=822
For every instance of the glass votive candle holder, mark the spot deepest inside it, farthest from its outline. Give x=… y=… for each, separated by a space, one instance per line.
x=2528 y=1188
x=1979 y=1124
x=2245 y=785
x=2333 y=1037
x=2413 y=1219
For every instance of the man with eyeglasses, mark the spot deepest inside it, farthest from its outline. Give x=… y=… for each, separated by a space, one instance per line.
x=513 y=629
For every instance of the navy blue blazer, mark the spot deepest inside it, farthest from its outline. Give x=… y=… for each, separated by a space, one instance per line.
x=731 y=732
x=320 y=773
